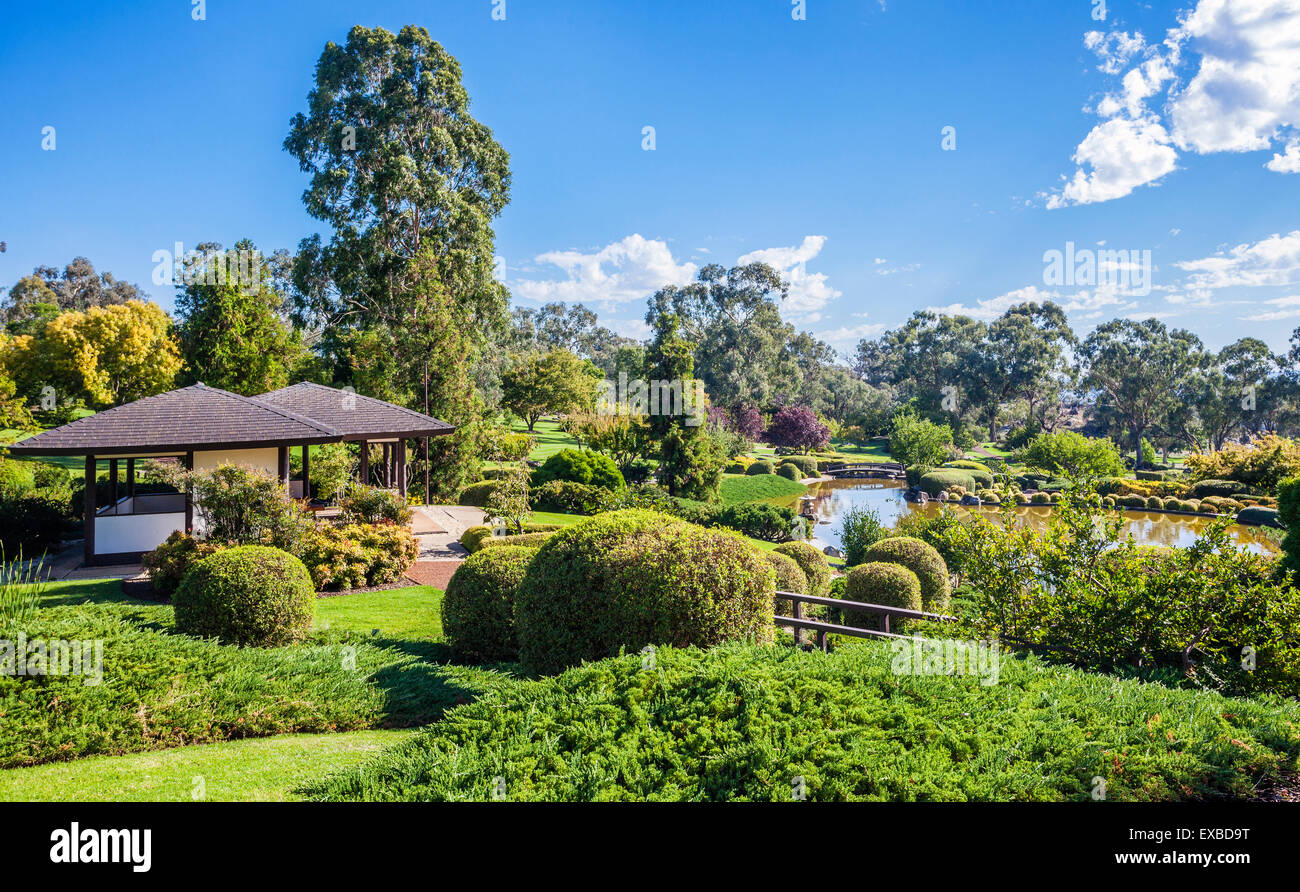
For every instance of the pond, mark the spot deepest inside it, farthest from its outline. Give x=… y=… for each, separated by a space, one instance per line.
x=831 y=499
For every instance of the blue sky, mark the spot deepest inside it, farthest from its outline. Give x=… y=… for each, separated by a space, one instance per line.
x=815 y=144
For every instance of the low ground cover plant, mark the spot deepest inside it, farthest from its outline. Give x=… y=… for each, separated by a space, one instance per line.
x=846 y=723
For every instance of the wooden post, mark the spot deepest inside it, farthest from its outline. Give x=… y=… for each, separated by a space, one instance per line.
x=282 y=468
x=399 y=460
x=426 y=469
x=386 y=475
x=189 y=498
x=798 y=614
x=89 y=500
x=306 y=472
x=130 y=480
x=365 y=462
x=112 y=484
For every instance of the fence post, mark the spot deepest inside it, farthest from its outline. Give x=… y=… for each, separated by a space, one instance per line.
x=798 y=614
x=885 y=622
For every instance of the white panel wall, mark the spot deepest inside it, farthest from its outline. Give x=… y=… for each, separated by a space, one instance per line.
x=135 y=532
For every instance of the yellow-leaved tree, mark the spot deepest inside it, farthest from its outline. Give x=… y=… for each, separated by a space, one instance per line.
x=109 y=355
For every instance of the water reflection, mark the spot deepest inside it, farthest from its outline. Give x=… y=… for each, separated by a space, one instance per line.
x=830 y=500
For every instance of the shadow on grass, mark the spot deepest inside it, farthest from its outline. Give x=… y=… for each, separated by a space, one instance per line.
x=88 y=591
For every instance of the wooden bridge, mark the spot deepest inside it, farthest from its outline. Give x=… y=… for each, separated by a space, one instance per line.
x=822 y=629
x=878 y=470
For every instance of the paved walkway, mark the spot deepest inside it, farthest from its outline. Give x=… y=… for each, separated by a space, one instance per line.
x=438 y=529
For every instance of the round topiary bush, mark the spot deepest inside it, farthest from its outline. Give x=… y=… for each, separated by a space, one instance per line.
x=1260 y=517
x=474 y=537
x=805 y=463
x=922 y=559
x=813 y=564
x=1155 y=503
x=789 y=578
x=478 y=610
x=790 y=472
x=887 y=584
x=626 y=579
x=1040 y=498
x=762 y=466
x=249 y=595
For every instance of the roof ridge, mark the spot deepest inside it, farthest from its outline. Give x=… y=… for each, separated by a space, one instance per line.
x=373 y=399
x=284 y=413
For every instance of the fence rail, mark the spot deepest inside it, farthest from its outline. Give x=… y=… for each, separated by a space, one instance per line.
x=798 y=621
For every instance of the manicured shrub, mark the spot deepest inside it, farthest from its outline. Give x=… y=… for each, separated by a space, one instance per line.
x=1155 y=503
x=476 y=494
x=478 y=609
x=988 y=497
x=1022 y=499
x=806 y=463
x=923 y=560
x=248 y=595
x=627 y=579
x=935 y=482
x=813 y=563
x=567 y=497
x=358 y=555
x=1133 y=501
x=1261 y=517
x=530 y=540
x=886 y=584
x=1202 y=488
x=473 y=537
x=1040 y=498
x=762 y=466
x=789 y=578
x=580 y=466
x=169 y=562
x=1220 y=505
x=790 y=472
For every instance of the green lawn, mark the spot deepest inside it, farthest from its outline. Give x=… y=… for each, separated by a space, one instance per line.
x=411 y=614
x=549 y=439
x=260 y=770
x=738 y=488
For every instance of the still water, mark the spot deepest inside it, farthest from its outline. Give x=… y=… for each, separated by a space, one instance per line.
x=830 y=500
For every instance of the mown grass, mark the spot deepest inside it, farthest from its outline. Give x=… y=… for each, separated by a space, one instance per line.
x=739 y=723
x=259 y=770
x=549 y=439
x=738 y=488
x=161 y=689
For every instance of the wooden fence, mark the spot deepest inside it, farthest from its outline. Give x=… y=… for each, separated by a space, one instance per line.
x=798 y=621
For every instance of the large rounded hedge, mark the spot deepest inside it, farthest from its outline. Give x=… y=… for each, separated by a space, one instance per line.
x=476 y=495
x=790 y=472
x=887 y=584
x=580 y=466
x=626 y=579
x=762 y=466
x=789 y=578
x=923 y=560
x=478 y=610
x=935 y=482
x=248 y=595
x=812 y=562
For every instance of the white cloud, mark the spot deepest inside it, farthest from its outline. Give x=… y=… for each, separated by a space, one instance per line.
x=1271 y=261
x=1122 y=155
x=1114 y=49
x=809 y=292
x=1243 y=95
x=1248 y=83
x=845 y=339
x=1288 y=162
x=628 y=270
x=1288 y=308
x=1085 y=303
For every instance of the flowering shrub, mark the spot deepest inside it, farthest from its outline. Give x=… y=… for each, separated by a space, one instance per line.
x=357 y=555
